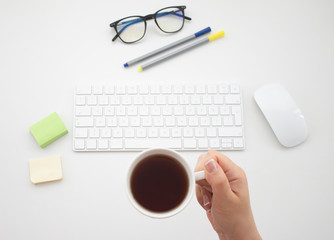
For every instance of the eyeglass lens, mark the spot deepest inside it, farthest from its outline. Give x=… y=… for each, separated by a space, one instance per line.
x=170 y=19
x=132 y=29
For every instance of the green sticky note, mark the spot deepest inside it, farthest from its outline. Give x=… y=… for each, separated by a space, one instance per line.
x=48 y=130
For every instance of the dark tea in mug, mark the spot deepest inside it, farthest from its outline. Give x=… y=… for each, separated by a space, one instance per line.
x=159 y=183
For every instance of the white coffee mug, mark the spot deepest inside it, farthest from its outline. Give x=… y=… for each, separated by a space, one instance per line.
x=192 y=178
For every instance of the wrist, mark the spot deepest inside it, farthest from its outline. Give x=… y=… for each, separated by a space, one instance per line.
x=247 y=233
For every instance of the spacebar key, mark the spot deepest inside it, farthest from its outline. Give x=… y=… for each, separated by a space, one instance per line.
x=152 y=143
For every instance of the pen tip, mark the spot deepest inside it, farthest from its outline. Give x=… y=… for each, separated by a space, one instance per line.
x=125 y=65
x=140 y=69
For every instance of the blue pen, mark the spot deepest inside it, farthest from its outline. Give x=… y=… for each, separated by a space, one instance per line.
x=169 y=46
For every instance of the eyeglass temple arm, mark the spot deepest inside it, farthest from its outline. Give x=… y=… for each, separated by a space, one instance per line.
x=128 y=23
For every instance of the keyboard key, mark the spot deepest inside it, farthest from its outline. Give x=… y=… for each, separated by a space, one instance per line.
x=225 y=110
x=120 y=89
x=166 y=89
x=84 y=90
x=116 y=143
x=80 y=100
x=155 y=111
x=207 y=99
x=112 y=122
x=178 y=89
x=228 y=120
x=84 y=122
x=91 y=144
x=203 y=143
x=161 y=100
x=155 y=89
x=123 y=122
x=132 y=89
x=94 y=132
x=212 y=89
x=176 y=132
x=211 y=132
x=181 y=121
x=158 y=121
x=204 y=121
x=153 y=132
x=97 y=111
x=218 y=99
x=214 y=143
x=223 y=89
x=129 y=132
x=109 y=111
x=147 y=121
x=172 y=100
x=201 y=89
x=116 y=132
x=178 y=110
x=137 y=100
x=188 y=132
x=230 y=132
x=141 y=132
x=79 y=144
x=103 y=144
x=216 y=121
x=106 y=132
x=213 y=110
x=114 y=100
x=164 y=132
x=82 y=111
x=92 y=100
x=189 y=89
x=170 y=121
x=201 y=110
x=190 y=110
x=134 y=121
x=184 y=100
x=238 y=143
x=120 y=111
x=143 y=89
x=97 y=90
x=81 y=132
x=109 y=90
x=100 y=121
x=235 y=89
x=126 y=100
x=232 y=99
x=199 y=132
x=143 y=110
x=189 y=143
x=193 y=121
x=167 y=111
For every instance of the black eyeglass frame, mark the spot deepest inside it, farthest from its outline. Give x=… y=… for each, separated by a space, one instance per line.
x=144 y=19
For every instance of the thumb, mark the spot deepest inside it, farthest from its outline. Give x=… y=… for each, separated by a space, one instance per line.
x=216 y=177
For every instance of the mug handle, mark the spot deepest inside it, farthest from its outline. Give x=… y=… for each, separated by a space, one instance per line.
x=200 y=175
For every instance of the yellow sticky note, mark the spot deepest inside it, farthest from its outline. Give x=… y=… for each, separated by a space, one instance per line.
x=45 y=170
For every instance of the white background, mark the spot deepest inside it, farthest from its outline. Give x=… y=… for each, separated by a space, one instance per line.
x=49 y=47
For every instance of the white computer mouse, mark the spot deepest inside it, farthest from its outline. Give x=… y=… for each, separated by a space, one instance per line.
x=282 y=113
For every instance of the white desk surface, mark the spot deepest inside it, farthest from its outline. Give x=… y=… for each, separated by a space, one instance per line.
x=49 y=47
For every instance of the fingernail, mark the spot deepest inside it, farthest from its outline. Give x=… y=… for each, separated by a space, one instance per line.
x=206 y=202
x=211 y=166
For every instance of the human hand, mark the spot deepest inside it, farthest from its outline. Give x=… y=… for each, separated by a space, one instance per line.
x=225 y=197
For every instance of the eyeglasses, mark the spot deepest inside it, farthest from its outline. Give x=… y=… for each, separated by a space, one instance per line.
x=132 y=29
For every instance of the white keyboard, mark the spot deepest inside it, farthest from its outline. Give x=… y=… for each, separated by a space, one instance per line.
x=180 y=117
